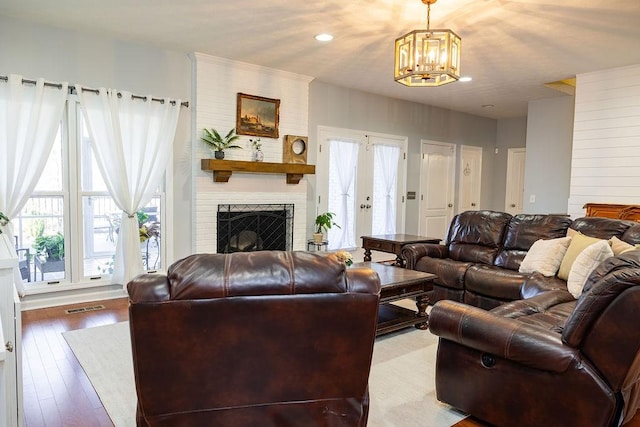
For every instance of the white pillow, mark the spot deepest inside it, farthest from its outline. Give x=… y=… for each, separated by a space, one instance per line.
x=545 y=256
x=585 y=263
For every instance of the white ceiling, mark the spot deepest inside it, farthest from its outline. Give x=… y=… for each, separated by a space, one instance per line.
x=509 y=47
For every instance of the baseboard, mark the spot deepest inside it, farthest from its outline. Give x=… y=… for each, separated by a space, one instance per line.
x=78 y=296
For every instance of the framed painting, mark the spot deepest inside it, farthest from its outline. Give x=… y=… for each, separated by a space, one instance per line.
x=257 y=116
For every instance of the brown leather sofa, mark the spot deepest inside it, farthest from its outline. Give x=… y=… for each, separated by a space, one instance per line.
x=479 y=261
x=549 y=360
x=254 y=339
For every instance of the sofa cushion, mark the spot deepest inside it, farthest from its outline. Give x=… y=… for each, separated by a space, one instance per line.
x=585 y=263
x=545 y=256
x=579 y=242
x=476 y=236
x=496 y=282
x=602 y=228
x=632 y=235
x=522 y=232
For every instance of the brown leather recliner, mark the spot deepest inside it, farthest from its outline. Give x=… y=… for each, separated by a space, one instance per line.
x=549 y=360
x=260 y=338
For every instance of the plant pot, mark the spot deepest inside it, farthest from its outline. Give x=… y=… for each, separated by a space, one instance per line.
x=317 y=238
x=218 y=154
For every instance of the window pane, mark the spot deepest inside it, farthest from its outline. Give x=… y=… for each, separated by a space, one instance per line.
x=51 y=178
x=91 y=177
x=40 y=236
x=101 y=225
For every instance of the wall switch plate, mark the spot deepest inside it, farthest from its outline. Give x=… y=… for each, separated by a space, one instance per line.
x=532 y=198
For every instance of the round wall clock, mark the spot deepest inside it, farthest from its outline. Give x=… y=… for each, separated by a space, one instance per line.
x=294 y=149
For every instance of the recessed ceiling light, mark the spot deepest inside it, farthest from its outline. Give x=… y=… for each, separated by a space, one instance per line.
x=465 y=79
x=324 y=37
x=488 y=106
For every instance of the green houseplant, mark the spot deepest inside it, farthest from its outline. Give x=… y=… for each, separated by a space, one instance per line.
x=323 y=223
x=51 y=247
x=218 y=143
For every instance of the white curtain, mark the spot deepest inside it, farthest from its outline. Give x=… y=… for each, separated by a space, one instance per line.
x=343 y=160
x=132 y=140
x=385 y=169
x=30 y=116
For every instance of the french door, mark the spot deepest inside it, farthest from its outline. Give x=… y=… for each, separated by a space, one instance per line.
x=361 y=179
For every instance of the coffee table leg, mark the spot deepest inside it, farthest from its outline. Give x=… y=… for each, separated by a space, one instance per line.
x=367 y=254
x=422 y=302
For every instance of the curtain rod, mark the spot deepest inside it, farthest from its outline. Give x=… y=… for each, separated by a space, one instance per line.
x=72 y=90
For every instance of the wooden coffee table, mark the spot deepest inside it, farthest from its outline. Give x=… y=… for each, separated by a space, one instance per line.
x=397 y=284
x=392 y=243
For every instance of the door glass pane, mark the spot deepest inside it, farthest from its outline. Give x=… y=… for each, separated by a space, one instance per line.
x=385 y=194
x=343 y=159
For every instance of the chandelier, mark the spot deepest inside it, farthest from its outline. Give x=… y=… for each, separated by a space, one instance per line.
x=427 y=57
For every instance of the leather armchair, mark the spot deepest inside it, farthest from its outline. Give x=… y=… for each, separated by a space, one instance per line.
x=549 y=359
x=260 y=338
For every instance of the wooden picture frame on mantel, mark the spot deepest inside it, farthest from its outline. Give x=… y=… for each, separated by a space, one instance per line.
x=257 y=116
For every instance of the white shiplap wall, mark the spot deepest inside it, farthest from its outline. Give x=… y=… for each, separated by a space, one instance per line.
x=217 y=82
x=605 y=165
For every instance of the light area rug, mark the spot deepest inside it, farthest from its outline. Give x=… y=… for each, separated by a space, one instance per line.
x=401 y=383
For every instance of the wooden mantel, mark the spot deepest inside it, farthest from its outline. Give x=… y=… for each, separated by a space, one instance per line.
x=222 y=169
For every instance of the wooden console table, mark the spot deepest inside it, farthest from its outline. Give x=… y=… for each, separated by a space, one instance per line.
x=392 y=243
x=611 y=210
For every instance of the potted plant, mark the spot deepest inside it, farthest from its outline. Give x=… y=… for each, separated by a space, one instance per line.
x=323 y=223
x=51 y=248
x=217 y=143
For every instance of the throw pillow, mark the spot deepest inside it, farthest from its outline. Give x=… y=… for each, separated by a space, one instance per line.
x=545 y=256
x=585 y=263
x=578 y=243
x=619 y=246
x=571 y=232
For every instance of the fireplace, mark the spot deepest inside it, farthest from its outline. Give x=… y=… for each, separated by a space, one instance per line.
x=254 y=227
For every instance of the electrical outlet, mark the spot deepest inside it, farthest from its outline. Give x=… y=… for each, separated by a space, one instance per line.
x=532 y=198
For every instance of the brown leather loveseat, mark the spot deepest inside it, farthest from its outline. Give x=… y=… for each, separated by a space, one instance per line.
x=479 y=261
x=248 y=339
x=549 y=360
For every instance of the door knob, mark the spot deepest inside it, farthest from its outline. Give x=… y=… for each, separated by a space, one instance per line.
x=9 y=346
x=513 y=205
x=473 y=204
x=450 y=205
x=362 y=206
x=368 y=206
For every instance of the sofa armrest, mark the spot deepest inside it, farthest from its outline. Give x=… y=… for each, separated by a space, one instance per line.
x=500 y=336
x=537 y=304
x=414 y=251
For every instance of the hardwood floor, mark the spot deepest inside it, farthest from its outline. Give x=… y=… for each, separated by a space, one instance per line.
x=56 y=390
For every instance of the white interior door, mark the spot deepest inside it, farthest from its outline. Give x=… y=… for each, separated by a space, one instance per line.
x=437 y=185
x=515 y=181
x=470 y=178
x=364 y=186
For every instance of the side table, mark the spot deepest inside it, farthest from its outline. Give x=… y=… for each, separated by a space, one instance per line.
x=392 y=243
x=313 y=246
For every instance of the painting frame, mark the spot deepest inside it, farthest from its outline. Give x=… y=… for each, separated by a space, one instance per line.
x=257 y=116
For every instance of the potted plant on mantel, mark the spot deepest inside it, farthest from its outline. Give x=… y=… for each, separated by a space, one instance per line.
x=323 y=223
x=217 y=143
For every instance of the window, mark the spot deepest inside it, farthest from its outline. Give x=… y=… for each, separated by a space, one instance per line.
x=69 y=227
